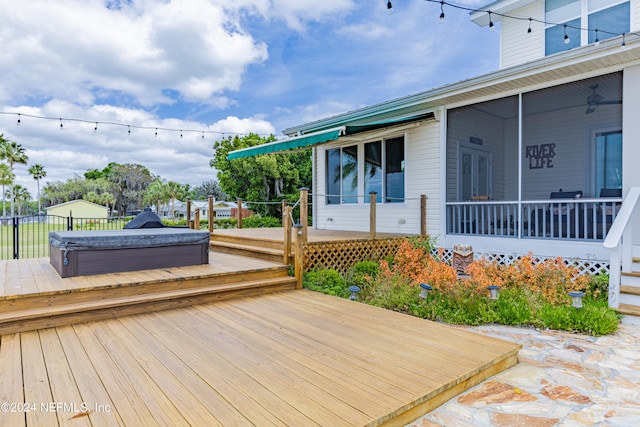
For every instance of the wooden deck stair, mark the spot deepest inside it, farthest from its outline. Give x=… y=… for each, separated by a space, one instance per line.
x=65 y=307
x=265 y=248
x=630 y=293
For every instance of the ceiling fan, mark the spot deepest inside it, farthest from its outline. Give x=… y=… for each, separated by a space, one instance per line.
x=595 y=99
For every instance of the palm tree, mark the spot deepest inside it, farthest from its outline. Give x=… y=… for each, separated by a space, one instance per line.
x=6 y=178
x=21 y=195
x=38 y=172
x=13 y=153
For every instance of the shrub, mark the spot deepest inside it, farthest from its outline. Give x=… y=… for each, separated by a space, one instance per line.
x=259 y=221
x=326 y=281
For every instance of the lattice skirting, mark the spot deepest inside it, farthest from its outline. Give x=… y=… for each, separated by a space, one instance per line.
x=584 y=266
x=341 y=255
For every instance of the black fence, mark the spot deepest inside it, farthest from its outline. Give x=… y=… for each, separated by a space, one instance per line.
x=28 y=236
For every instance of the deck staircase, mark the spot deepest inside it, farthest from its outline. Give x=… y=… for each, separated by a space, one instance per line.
x=630 y=291
x=44 y=310
x=264 y=248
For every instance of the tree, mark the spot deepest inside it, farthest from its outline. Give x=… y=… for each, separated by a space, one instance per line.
x=157 y=193
x=13 y=153
x=129 y=182
x=38 y=172
x=21 y=195
x=6 y=178
x=209 y=188
x=176 y=192
x=263 y=178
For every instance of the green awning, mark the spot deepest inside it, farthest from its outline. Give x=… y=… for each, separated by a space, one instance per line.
x=297 y=142
x=363 y=127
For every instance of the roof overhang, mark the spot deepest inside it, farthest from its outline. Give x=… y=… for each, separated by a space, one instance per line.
x=498 y=8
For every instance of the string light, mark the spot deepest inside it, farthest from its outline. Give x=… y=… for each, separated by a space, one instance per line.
x=623 y=45
x=442 y=11
x=128 y=126
x=531 y=20
x=202 y=135
x=95 y=129
x=597 y=40
x=567 y=40
x=129 y=131
x=389 y=7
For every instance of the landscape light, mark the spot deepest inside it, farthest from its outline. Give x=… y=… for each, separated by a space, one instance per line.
x=354 y=292
x=577 y=298
x=424 y=290
x=494 y=291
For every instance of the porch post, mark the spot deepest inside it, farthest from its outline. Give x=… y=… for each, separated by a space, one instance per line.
x=211 y=215
x=239 y=213
x=423 y=214
x=304 y=211
x=188 y=213
x=196 y=219
x=286 y=224
x=373 y=197
x=298 y=261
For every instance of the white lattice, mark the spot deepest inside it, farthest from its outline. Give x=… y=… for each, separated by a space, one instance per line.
x=584 y=266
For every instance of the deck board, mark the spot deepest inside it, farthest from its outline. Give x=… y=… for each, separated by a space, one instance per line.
x=288 y=358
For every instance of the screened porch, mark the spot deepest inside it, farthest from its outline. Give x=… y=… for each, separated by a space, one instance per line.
x=545 y=164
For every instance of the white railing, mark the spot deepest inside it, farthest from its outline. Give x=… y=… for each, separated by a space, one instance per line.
x=620 y=245
x=564 y=219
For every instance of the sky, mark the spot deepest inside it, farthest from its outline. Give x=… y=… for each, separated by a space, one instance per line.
x=210 y=68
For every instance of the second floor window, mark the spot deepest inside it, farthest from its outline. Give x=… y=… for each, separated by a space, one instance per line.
x=610 y=17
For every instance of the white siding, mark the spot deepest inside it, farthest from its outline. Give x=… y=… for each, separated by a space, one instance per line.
x=631 y=138
x=635 y=13
x=572 y=152
x=517 y=45
x=422 y=172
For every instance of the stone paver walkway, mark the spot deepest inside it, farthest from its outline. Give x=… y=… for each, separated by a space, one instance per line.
x=562 y=379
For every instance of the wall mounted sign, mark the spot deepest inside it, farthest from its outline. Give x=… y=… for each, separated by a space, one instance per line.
x=541 y=155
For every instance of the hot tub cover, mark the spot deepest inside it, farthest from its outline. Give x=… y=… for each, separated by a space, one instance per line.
x=129 y=238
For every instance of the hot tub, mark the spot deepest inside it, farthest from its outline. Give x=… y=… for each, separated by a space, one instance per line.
x=83 y=253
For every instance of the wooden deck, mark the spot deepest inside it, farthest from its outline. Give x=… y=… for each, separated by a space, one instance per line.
x=277 y=233
x=293 y=358
x=34 y=296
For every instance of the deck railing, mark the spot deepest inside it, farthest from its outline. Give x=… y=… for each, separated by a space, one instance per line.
x=577 y=219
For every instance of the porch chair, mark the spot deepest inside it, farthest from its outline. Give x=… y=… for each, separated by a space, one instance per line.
x=607 y=210
x=558 y=219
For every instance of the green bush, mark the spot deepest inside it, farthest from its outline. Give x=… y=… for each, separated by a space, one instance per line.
x=259 y=221
x=326 y=281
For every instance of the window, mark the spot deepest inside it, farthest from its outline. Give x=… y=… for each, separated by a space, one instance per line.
x=608 y=157
x=382 y=166
x=394 y=170
x=612 y=17
x=342 y=175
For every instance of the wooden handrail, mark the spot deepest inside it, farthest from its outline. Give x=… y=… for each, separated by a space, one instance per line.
x=622 y=219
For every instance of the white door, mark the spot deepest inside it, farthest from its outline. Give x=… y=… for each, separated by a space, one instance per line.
x=474 y=177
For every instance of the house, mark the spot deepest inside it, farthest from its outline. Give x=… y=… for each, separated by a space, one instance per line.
x=537 y=156
x=78 y=209
x=221 y=208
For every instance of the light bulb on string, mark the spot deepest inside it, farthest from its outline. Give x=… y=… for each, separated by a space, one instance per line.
x=491 y=26
x=623 y=45
x=180 y=133
x=597 y=40
x=441 y=11
x=129 y=129
x=156 y=132
x=529 y=30
x=95 y=129
x=202 y=134
x=61 y=126
x=18 y=120
x=567 y=40
x=389 y=7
